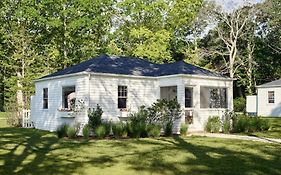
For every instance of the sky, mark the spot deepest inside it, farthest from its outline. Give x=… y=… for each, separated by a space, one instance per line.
x=229 y=5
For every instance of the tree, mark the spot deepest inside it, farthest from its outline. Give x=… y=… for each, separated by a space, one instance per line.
x=153 y=29
x=231 y=28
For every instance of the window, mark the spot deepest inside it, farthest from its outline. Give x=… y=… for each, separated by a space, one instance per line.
x=68 y=97
x=270 y=96
x=213 y=97
x=188 y=97
x=45 y=98
x=122 y=97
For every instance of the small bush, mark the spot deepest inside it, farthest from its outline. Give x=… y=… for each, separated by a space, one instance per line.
x=226 y=124
x=243 y=123
x=100 y=131
x=71 y=132
x=183 y=129
x=86 y=132
x=154 y=130
x=239 y=104
x=213 y=124
x=62 y=131
x=265 y=125
x=138 y=123
x=119 y=130
x=168 y=130
x=94 y=116
x=108 y=127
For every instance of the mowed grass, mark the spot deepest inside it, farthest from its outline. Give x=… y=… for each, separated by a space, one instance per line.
x=30 y=151
x=274 y=131
x=3 y=119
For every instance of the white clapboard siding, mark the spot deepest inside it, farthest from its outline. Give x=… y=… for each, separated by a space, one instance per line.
x=269 y=109
x=102 y=89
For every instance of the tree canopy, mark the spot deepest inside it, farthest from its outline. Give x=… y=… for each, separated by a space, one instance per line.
x=41 y=37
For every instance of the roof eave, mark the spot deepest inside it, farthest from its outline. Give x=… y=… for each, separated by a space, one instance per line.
x=61 y=76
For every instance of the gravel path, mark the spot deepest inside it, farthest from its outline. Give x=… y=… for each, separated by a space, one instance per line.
x=241 y=137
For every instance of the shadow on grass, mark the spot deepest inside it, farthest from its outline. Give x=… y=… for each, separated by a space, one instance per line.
x=24 y=151
x=29 y=151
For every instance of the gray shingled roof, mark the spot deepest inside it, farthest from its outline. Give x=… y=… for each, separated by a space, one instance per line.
x=134 y=66
x=275 y=83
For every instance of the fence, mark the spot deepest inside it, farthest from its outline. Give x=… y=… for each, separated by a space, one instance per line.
x=26 y=121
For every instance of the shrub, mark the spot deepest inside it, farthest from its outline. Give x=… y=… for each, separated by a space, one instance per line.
x=154 y=130
x=213 y=124
x=119 y=130
x=243 y=123
x=226 y=124
x=168 y=130
x=138 y=122
x=239 y=104
x=71 y=132
x=86 y=132
x=100 y=131
x=62 y=130
x=265 y=125
x=108 y=127
x=183 y=129
x=94 y=116
x=163 y=111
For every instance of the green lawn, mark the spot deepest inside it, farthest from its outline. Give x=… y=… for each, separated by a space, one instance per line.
x=30 y=151
x=275 y=130
x=3 y=119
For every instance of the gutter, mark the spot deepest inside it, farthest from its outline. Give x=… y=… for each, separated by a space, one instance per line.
x=135 y=76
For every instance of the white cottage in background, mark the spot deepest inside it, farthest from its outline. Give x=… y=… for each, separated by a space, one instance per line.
x=122 y=84
x=267 y=102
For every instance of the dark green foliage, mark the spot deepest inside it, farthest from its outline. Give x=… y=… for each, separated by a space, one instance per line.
x=243 y=123
x=183 y=129
x=119 y=130
x=213 y=124
x=239 y=104
x=100 y=131
x=153 y=130
x=168 y=128
x=86 y=132
x=227 y=122
x=108 y=127
x=138 y=123
x=71 y=132
x=163 y=111
x=94 y=116
x=62 y=130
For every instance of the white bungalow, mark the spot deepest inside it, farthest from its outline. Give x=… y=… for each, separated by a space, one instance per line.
x=267 y=102
x=122 y=84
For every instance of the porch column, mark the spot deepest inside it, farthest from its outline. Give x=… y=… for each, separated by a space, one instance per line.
x=181 y=100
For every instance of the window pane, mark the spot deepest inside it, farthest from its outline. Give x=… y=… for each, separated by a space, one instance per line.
x=213 y=97
x=45 y=98
x=270 y=96
x=68 y=95
x=45 y=103
x=188 y=97
x=122 y=97
x=122 y=103
x=204 y=97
